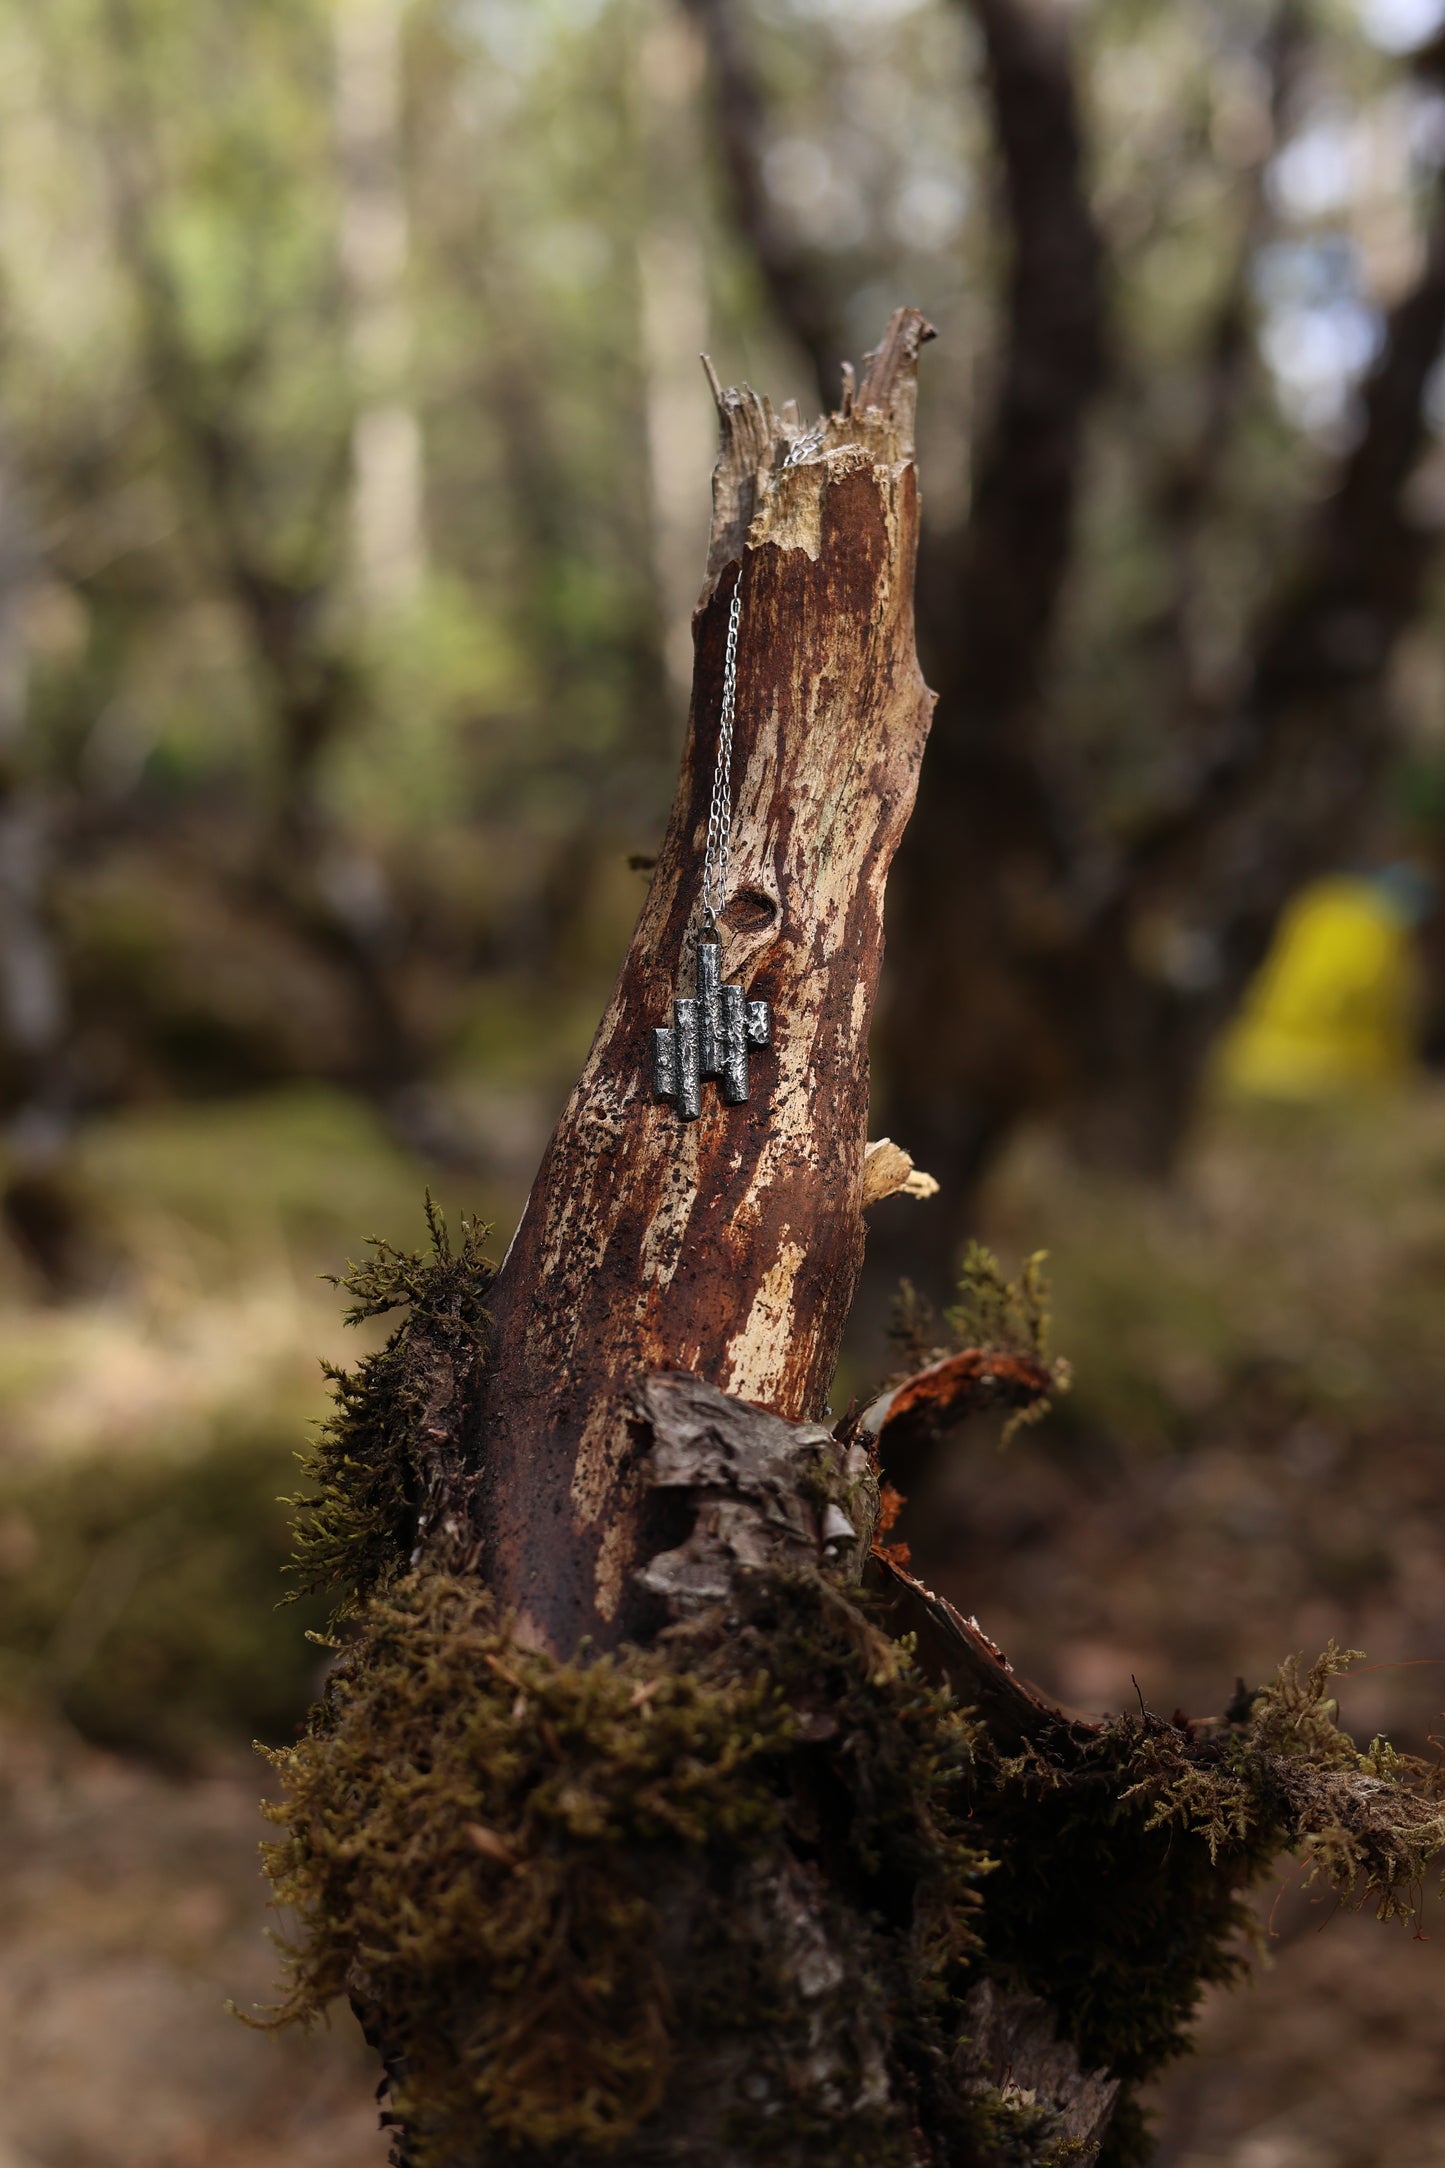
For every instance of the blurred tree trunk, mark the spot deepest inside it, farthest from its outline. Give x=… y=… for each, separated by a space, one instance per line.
x=287 y=599
x=1088 y=975
x=993 y=845
x=388 y=514
x=37 y=1089
x=1108 y=970
x=803 y=294
x=673 y=307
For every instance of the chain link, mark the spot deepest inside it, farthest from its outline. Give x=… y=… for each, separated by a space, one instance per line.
x=803 y=446
x=720 y=809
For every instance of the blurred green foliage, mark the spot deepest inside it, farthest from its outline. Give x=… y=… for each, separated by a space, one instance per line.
x=196 y=348
x=138 y=1598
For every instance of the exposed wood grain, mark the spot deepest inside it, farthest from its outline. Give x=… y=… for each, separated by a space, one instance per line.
x=729 y=1246
x=1013 y=2044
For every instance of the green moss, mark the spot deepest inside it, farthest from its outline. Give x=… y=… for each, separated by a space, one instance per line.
x=473 y=1832
x=1014 y=2129
x=486 y=1848
x=539 y=1880
x=1124 y=1854
x=1001 y=1315
x=356 y=1525
x=992 y=1315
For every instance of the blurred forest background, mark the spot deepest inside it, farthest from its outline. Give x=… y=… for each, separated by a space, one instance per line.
x=353 y=492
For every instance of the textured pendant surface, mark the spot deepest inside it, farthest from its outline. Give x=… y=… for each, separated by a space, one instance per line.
x=709 y=1036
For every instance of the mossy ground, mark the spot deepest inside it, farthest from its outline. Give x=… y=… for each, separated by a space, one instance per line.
x=138 y=1598
x=149 y=1432
x=474 y=1837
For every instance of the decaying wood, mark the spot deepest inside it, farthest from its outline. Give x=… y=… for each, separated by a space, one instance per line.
x=743 y=1472
x=935 y=1400
x=888 y=1171
x=1013 y=2045
x=746 y=1475
x=729 y=1246
x=956 y=1652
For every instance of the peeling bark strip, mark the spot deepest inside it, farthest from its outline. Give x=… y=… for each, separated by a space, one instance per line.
x=745 y=1473
x=729 y=1246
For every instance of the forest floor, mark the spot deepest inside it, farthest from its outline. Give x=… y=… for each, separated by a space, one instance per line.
x=1251 y=1461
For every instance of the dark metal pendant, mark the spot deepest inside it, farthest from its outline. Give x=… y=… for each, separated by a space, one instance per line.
x=709 y=1035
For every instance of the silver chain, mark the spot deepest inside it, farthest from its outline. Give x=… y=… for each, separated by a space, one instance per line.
x=804 y=446
x=720 y=810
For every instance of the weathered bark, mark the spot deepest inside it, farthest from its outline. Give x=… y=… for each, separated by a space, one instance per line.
x=731 y=1245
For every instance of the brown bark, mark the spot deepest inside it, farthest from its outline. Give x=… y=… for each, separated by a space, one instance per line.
x=38 y=1096
x=729 y=1246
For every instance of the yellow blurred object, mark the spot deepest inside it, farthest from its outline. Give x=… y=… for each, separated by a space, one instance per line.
x=1335 y=1005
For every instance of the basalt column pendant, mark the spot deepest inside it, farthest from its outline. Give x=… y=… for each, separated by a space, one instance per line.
x=709 y=1036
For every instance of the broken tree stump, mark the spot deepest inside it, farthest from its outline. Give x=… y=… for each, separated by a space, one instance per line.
x=730 y=1245
x=652 y=1816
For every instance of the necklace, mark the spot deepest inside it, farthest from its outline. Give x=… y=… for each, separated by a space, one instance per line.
x=711 y=1030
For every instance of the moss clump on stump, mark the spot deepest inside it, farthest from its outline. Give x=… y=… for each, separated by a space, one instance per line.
x=551 y=1888
x=368 y=1470
x=473 y=1832
x=490 y=1852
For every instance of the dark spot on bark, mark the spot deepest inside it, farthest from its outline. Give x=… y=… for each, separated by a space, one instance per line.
x=750 y=912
